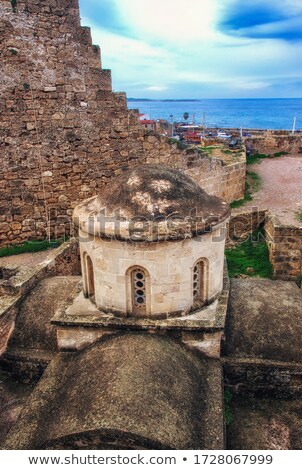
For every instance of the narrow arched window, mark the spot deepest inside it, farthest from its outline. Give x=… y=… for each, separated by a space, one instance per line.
x=89 y=289
x=138 y=291
x=90 y=277
x=199 y=283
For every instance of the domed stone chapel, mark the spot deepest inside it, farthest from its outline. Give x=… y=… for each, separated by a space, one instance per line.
x=152 y=245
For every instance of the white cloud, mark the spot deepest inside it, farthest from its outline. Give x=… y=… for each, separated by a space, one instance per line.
x=157 y=88
x=169 y=20
x=175 y=51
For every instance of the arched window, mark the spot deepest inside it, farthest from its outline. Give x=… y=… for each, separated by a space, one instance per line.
x=200 y=283
x=138 y=294
x=89 y=289
x=138 y=284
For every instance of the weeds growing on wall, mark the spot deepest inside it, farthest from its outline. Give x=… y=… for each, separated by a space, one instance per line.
x=250 y=258
x=29 y=247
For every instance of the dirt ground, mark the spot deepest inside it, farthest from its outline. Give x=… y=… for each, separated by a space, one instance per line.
x=281 y=187
x=25 y=259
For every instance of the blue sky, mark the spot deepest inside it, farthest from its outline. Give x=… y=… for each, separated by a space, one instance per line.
x=200 y=48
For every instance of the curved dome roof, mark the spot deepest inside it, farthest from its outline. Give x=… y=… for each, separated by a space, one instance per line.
x=139 y=390
x=150 y=203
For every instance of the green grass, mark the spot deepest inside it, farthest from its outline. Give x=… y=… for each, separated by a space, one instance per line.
x=247 y=197
x=228 y=414
x=254 y=179
x=279 y=154
x=29 y=247
x=252 y=184
x=250 y=258
x=257 y=157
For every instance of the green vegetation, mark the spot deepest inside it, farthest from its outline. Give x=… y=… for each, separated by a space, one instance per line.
x=252 y=184
x=180 y=145
x=247 y=197
x=254 y=179
x=250 y=258
x=29 y=247
x=257 y=157
x=13 y=51
x=26 y=86
x=279 y=154
x=208 y=149
x=228 y=414
x=299 y=216
x=14 y=5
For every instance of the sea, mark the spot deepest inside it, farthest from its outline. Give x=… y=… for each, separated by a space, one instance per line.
x=265 y=113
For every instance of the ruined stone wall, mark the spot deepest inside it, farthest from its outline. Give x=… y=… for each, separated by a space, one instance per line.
x=270 y=143
x=63 y=132
x=285 y=249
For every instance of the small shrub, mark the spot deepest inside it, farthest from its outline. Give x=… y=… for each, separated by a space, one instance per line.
x=26 y=86
x=13 y=51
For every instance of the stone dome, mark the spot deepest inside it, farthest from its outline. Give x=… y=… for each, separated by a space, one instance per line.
x=150 y=203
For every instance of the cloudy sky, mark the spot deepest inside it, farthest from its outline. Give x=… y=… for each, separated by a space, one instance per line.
x=199 y=48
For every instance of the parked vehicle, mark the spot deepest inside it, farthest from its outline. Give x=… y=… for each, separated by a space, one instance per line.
x=223 y=135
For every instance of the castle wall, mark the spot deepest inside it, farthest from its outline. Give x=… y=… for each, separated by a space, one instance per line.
x=63 y=132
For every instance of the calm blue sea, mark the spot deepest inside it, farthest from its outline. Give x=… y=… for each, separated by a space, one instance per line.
x=267 y=113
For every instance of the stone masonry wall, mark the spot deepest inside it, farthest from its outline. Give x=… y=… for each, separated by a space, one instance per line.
x=270 y=143
x=63 y=132
x=285 y=249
